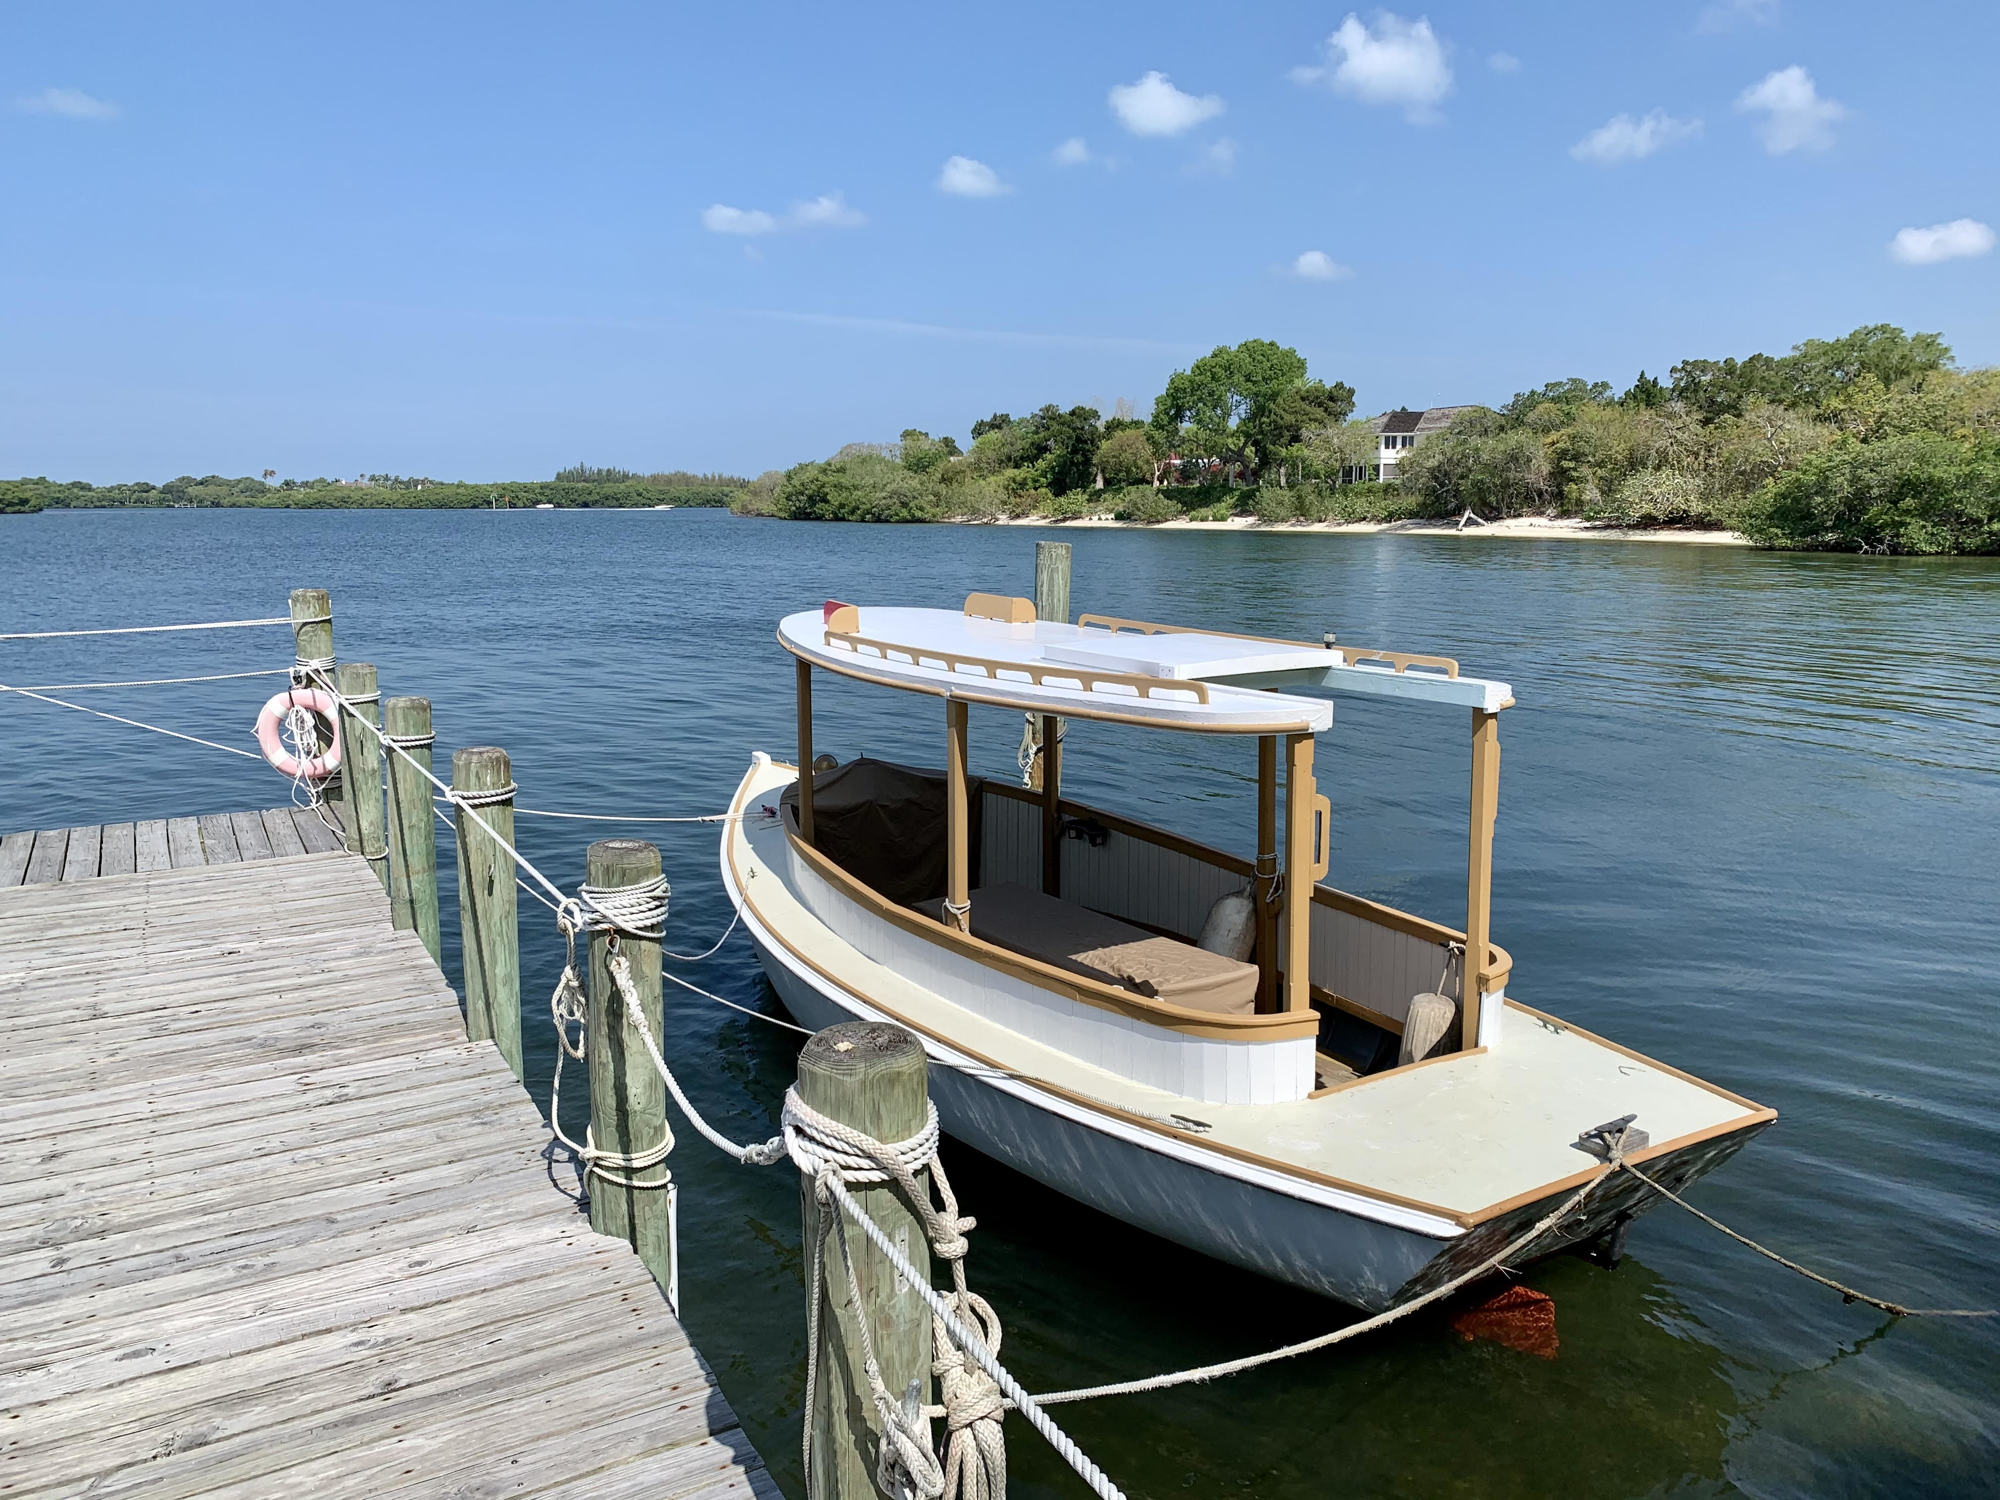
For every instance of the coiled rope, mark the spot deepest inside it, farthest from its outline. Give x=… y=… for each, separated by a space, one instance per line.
x=971 y=1403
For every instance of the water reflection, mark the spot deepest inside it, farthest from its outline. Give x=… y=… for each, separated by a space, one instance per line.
x=1748 y=815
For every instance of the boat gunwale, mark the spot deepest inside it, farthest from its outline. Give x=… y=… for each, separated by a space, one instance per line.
x=1760 y=1115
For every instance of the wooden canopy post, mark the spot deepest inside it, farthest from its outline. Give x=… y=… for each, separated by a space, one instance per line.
x=1264 y=884
x=958 y=844
x=1479 y=871
x=1050 y=765
x=805 y=682
x=1299 y=874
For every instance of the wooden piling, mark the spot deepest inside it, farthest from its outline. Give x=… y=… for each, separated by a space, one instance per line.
x=489 y=936
x=628 y=1101
x=413 y=879
x=1052 y=581
x=312 y=640
x=361 y=766
x=872 y=1076
x=1051 y=603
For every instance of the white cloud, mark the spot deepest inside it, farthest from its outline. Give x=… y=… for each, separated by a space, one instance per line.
x=1622 y=138
x=966 y=178
x=1317 y=265
x=1072 y=152
x=1153 y=106
x=1795 y=116
x=720 y=218
x=1394 y=62
x=1954 y=241
x=69 y=104
x=828 y=211
x=1727 y=15
x=1504 y=62
x=1217 y=159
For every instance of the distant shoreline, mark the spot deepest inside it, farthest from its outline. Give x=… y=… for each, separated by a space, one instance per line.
x=1534 y=528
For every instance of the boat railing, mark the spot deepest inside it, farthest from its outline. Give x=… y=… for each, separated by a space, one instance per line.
x=1397 y=661
x=1084 y=679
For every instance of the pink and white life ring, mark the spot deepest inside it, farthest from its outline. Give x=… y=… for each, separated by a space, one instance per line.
x=271 y=721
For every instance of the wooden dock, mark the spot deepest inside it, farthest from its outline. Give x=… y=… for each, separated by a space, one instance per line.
x=270 y=1224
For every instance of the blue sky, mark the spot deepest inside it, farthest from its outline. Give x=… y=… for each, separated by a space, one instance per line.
x=486 y=241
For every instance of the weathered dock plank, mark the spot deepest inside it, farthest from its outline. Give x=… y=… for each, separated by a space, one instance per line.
x=14 y=851
x=120 y=854
x=184 y=843
x=297 y=1234
x=46 y=863
x=80 y=859
x=151 y=837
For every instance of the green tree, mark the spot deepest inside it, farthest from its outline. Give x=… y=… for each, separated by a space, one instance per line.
x=1244 y=405
x=1920 y=492
x=1126 y=457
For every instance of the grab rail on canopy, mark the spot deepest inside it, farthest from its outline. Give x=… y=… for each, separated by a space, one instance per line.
x=1400 y=661
x=1087 y=680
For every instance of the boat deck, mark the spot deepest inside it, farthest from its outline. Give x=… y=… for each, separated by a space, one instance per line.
x=1458 y=1140
x=270 y=1224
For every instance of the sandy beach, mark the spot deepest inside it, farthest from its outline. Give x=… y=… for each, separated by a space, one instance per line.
x=1536 y=528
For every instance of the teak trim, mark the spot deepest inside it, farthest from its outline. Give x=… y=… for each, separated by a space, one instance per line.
x=1116 y=623
x=1086 y=679
x=1003 y=607
x=1400 y=660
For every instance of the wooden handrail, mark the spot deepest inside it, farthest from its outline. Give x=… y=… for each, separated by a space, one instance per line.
x=1400 y=660
x=1116 y=623
x=1087 y=680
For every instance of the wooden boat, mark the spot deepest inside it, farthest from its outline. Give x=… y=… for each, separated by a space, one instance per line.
x=1289 y=1113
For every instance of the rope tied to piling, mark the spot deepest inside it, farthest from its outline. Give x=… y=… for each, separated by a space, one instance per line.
x=970 y=1400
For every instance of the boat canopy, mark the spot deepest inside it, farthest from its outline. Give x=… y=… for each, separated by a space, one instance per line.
x=995 y=651
x=1127 y=671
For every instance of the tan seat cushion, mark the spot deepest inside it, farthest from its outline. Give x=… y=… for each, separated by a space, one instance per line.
x=1085 y=942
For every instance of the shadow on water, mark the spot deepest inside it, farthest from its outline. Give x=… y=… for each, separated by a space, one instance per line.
x=1748 y=818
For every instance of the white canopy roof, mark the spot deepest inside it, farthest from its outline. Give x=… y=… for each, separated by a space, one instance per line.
x=1118 y=670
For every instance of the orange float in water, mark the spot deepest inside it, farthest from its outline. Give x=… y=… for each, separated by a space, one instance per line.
x=1520 y=1318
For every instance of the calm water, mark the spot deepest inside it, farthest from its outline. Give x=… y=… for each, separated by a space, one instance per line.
x=1750 y=824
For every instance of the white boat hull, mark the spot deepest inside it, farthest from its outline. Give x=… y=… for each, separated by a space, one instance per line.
x=1310 y=1230
x=1311 y=1245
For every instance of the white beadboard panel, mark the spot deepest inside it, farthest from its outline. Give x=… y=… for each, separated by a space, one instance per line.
x=1373 y=965
x=1203 y=1068
x=1010 y=842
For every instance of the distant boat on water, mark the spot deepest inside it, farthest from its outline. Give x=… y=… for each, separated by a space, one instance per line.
x=544 y=506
